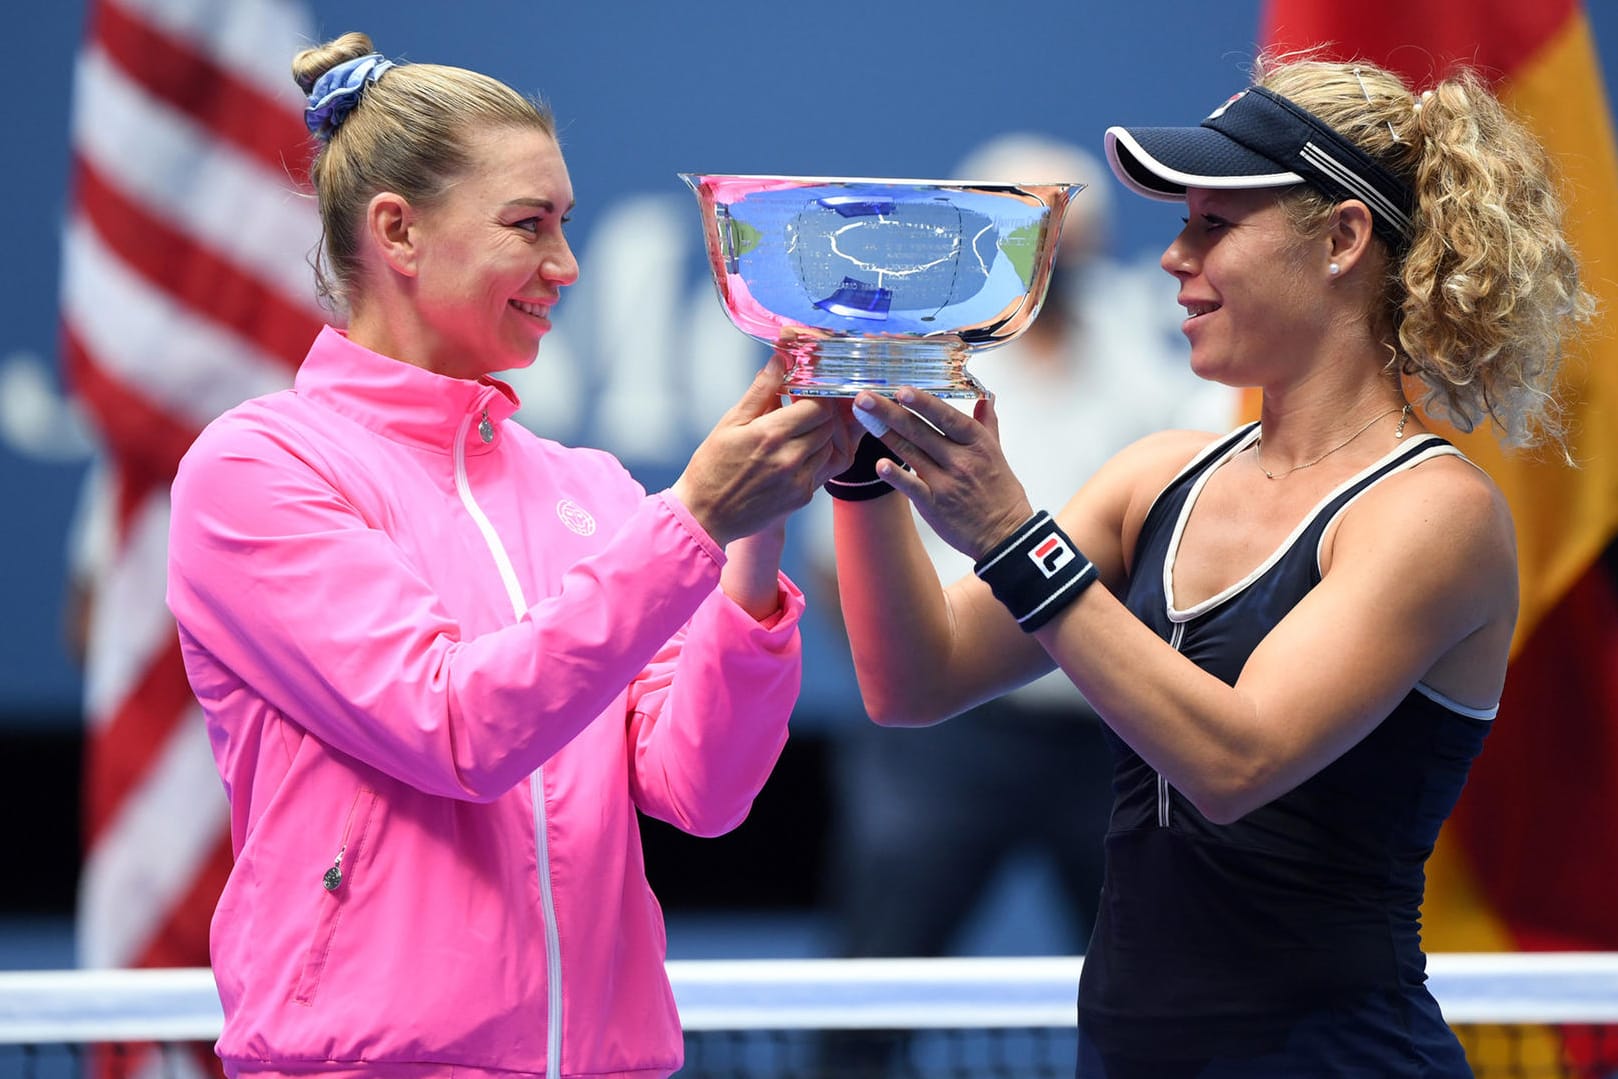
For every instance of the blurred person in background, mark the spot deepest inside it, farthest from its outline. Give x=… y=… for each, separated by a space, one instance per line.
x=926 y=823
x=446 y=662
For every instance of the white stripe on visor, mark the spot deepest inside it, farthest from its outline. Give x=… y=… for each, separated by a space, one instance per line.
x=1342 y=174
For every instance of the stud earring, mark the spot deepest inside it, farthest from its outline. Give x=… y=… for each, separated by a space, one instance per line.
x=1334 y=269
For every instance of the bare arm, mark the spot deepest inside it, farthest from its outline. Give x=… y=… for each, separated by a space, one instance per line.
x=751 y=576
x=1423 y=574
x=1421 y=579
x=923 y=652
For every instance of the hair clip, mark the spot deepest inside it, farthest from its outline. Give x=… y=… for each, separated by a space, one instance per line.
x=1360 y=79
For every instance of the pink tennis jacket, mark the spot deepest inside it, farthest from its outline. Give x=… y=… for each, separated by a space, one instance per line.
x=443 y=663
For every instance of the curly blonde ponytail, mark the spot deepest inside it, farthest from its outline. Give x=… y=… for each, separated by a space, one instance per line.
x=1480 y=305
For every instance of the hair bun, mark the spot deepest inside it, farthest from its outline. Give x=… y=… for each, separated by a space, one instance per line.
x=310 y=64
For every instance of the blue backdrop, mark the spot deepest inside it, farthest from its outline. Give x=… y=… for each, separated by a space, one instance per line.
x=641 y=92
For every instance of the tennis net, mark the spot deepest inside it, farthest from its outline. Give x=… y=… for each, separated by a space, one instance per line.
x=1527 y=1015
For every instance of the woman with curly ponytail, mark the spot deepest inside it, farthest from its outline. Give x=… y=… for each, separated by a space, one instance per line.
x=1297 y=632
x=1477 y=309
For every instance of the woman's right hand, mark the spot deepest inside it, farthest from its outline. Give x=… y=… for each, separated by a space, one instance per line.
x=764 y=459
x=958 y=478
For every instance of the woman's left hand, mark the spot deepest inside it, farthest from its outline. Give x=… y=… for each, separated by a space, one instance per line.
x=959 y=480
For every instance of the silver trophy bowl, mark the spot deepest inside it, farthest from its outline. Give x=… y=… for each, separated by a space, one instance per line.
x=873 y=284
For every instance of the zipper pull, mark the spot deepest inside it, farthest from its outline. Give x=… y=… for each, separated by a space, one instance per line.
x=485 y=428
x=334 y=876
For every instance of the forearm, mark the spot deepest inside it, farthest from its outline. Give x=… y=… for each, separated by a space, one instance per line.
x=1204 y=736
x=751 y=577
x=900 y=628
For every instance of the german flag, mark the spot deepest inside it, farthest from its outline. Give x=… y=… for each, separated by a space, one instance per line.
x=1529 y=861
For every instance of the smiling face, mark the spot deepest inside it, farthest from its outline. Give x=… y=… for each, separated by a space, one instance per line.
x=1253 y=289
x=491 y=257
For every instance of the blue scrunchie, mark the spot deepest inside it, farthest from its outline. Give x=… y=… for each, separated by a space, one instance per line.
x=335 y=93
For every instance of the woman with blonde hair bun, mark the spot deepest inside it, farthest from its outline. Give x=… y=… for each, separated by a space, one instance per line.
x=446 y=663
x=1295 y=633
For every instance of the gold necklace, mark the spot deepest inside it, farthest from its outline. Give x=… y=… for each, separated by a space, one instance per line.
x=1398 y=432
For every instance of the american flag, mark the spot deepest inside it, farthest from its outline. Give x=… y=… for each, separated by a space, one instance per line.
x=186 y=288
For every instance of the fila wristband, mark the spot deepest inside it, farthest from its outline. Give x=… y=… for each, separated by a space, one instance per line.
x=1036 y=571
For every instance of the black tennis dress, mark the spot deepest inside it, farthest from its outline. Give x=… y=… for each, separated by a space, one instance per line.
x=1287 y=943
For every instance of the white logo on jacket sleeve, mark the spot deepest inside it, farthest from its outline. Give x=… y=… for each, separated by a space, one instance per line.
x=576 y=517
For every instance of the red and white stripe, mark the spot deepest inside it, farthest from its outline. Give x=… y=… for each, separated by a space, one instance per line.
x=186 y=288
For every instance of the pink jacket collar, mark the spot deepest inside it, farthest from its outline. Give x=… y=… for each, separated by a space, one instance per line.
x=399 y=400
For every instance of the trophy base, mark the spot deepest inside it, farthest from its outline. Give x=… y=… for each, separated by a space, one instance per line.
x=844 y=367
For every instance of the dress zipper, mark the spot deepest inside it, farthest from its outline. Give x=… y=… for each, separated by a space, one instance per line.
x=1163 y=802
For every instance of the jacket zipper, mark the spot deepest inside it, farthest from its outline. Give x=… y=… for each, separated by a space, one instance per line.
x=1175 y=640
x=333 y=878
x=536 y=782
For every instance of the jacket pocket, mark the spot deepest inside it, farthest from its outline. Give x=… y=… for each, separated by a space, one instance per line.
x=336 y=884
